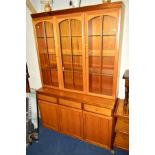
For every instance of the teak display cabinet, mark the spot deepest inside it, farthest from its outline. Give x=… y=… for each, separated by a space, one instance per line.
x=78 y=52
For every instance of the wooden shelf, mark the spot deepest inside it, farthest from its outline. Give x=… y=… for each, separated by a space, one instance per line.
x=70 y=70
x=45 y=37
x=103 y=67
x=48 y=68
x=51 y=51
x=75 y=52
x=107 y=72
x=98 y=35
x=121 y=141
x=104 y=53
x=71 y=36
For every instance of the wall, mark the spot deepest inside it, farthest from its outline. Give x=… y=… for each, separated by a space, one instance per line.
x=64 y=4
x=31 y=54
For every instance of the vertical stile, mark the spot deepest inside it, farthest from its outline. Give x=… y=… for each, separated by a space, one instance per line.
x=49 y=67
x=101 y=54
x=70 y=30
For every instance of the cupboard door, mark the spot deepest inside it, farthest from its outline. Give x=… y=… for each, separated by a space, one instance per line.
x=49 y=114
x=101 y=51
x=72 y=51
x=71 y=121
x=97 y=129
x=47 y=54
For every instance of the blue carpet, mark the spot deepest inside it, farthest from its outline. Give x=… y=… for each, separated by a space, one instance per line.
x=54 y=143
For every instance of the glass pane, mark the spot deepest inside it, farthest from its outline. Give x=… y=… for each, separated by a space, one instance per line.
x=107 y=84
x=68 y=79
x=94 y=45
x=109 y=42
x=64 y=28
x=40 y=30
x=49 y=29
x=77 y=63
x=46 y=49
x=108 y=62
x=95 y=26
x=101 y=54
x=78 y=80
x=109 y=25
x=46 y=74
x=67 y=62
x=66 y=45
x=52 y=60
x=50 y=45
x=100 y=83
x=76 y=27
x=94 y=63
x=71 y=49
x=42 y=45
x=77 y=45
x=54 y=74
x=44 y=60
x=94 y=83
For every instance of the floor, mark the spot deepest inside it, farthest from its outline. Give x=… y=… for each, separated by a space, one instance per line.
x=53 y=143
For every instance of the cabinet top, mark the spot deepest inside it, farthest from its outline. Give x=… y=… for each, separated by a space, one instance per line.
x=80 y=9
x=79 y=97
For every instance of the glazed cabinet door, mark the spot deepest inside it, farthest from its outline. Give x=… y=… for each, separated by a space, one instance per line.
x=49 y=114
x=102 y=33
x=72 y=50
x=71 y=121
x=97 y=129
x=46 y=52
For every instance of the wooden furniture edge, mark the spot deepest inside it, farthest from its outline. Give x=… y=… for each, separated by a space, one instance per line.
x=80 y=9
x=80 y=98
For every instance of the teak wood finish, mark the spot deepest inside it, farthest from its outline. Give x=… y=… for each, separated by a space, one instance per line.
x=86 y=117
x=122 y=126
x=79 y=74
x=77 y=67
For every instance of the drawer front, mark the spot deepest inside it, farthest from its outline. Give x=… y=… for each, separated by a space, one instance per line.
x=99 y=110
x=47 y=98
x=122 y=125
x=70 y=103
x=122 y=141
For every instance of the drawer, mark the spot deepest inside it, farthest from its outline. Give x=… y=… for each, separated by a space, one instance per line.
x=70 y=103
x=122 y=141
x=99 y=110
x=47 y=98
x=122 y=125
